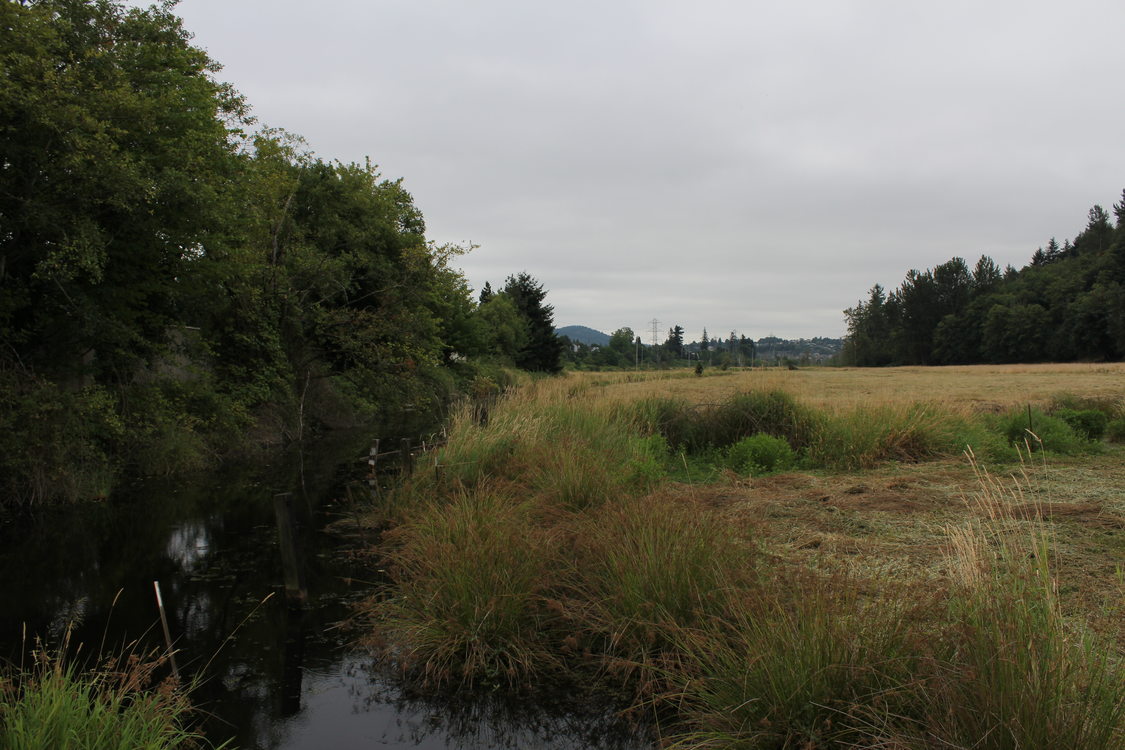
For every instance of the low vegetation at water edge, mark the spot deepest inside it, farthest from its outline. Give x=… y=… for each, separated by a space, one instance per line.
x=680 y=553
x=120 y=705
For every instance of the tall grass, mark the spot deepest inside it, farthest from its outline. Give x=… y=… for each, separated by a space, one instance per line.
x=1012 y=672
x=647 y=568
x=468 y=602
x=992 y=663
x=548 y=443
x=808 y=665
x=860 y=437
x=118 y=706
x=864 y=437
x=542 y=542
x=693 y=428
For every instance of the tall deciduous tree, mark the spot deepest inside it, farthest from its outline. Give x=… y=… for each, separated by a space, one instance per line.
x=117 y=151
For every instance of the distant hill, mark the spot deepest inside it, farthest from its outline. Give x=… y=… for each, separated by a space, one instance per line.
x=583 y=335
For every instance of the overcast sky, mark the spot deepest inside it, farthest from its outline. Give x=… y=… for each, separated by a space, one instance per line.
x=745 y=166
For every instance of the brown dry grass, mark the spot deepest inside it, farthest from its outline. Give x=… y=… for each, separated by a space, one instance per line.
x=894 y=522
x=645 y=571
x=975 y=388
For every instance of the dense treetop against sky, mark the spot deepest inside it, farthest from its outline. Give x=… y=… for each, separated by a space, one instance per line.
x=753 y=167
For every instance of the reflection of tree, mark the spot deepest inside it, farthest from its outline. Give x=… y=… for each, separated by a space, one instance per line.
x=559 y=722
x=264 y=669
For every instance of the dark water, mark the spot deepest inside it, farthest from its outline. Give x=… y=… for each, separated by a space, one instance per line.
x=274 y=676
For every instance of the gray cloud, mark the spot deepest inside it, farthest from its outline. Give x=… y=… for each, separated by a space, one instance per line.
x=748 y=166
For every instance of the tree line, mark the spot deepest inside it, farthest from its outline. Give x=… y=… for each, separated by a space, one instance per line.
x=177 y=283
x=625 y=349
x=1066 y=304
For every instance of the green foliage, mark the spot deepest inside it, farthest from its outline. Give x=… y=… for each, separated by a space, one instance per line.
x=543 y=350
x=118 y=163
x=56 y=443
x=215 y=287
x=760 y=454
x=1115 y=431
x=1088 y=424
x=504 y=330
x=1068 y=303
x=116 y=708
x=1040 y=431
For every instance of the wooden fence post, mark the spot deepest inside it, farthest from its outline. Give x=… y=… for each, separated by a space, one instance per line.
x=295 y=590
x=167 y=630
x=372 y=458
x=406 y=456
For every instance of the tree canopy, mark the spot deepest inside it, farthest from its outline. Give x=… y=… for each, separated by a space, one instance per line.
x=172 y=275
x=1067 y=303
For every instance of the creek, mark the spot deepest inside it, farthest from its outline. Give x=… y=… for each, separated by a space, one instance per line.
x=273 y=677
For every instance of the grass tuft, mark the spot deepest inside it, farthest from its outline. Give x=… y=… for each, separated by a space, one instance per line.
x=467 y=604
x=118 y=706
x=646 y=568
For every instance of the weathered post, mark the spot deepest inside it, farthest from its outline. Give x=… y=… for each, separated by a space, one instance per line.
x=406 y=456
x=372 y=458
x=167 y=630
x=295 y=590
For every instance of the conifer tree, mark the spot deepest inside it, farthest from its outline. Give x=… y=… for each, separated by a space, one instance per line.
x=543 y=350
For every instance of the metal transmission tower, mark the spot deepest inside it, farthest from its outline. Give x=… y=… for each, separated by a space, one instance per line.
x=655 y=332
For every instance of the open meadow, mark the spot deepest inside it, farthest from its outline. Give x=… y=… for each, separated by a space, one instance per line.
x=814 y=558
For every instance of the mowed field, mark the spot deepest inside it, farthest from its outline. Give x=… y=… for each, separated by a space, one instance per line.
x=895 y=519
x=815 y=558
x=975 y=387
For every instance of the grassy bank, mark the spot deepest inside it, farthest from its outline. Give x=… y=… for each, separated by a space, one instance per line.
x=773 y=570
x=121 y=704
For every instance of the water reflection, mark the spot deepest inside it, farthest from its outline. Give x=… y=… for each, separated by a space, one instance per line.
x=365 y=707
x=275 y=677
x=188 y=544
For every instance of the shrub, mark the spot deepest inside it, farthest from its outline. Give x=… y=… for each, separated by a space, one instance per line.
x=1043 y=433
x=56 y=444
x=676 y=421
x=1088 y=424
x=760 y=454
x=1115 y=431
x=1111 y=406
x=774 y=413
